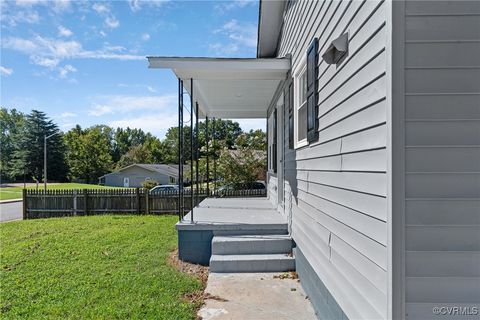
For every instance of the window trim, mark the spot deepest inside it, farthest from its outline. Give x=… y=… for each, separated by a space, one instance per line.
x=300 y=70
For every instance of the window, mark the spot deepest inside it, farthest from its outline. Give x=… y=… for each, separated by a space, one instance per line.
x=305 y=98
x=300 y=105
x=171 y=180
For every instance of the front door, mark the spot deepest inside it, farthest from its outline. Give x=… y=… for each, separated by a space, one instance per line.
x=126 y=182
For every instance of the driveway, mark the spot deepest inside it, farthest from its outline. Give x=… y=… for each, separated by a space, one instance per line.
x=11 y=210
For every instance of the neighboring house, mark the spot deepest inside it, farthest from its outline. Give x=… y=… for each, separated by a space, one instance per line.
x=134 y=175
x=374 y=155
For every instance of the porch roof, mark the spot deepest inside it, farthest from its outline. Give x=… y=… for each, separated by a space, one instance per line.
x=228 y=87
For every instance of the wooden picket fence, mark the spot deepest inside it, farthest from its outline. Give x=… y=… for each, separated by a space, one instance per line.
x=60 y=203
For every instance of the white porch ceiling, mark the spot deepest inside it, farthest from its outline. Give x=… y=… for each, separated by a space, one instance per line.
x=228 y=88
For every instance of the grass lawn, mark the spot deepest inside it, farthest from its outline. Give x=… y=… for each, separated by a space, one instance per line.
x=95 y=267
x=16 y=192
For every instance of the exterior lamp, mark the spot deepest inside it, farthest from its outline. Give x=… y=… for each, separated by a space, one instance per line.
x=337 y=50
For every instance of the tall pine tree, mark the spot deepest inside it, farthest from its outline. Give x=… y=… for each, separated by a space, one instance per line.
x=29 y=149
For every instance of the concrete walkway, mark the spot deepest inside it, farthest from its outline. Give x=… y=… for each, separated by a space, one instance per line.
x=258 y=296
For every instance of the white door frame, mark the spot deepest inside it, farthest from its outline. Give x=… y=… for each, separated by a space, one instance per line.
x=280 y=153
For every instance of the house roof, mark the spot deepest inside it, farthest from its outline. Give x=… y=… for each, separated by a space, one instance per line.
x=228 y=87
x=167 y=169
x=269 y=27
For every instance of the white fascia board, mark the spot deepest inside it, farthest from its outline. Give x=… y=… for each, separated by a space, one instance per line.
x=220 y=68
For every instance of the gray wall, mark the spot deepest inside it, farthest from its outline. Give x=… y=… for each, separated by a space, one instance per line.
x=137 y=175
x=442 y=152
x=336 y=188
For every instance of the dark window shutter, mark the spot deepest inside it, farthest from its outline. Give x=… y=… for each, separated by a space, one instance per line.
x=288 y=97
x=312 y=62
x=274 y=144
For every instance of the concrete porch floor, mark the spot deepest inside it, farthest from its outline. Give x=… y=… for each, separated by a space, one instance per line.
x=258 y=296
x=233 y=213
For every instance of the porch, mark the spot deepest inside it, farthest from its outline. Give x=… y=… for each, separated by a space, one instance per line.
x=233 y=226
x=239 y=234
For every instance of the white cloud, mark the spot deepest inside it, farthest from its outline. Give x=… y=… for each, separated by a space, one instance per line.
x=151 y=89
x=231 y=5
x=136 y=5
x=104 y=10
x=149 y=113
x=99 y=110
x=59 y=5
x=14 y=17
x=65 y=115
x=145 y=37
x=5 y=71
x=44 y=62
x=155 y=123
x=64 y=32
x=100 y=8
x=112 y=22
x=221 y=48
x=238 y=36
x=24 y=11
x=124 y=103
x=49 y=52
x=65 y=70
x=27 y=3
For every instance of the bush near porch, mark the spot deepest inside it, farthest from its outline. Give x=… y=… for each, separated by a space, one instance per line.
x=95 y=267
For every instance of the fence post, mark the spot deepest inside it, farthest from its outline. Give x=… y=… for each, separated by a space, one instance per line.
x=24 y=196
x=75 y=202
x=85 y=202
x=147 y=202
x=137 y=199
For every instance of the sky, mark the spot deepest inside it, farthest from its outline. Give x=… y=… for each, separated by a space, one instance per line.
x=83 y=62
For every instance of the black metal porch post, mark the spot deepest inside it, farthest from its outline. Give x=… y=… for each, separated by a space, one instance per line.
x=207 y=141
x=197 y=153
x=180 y=149
x=191 y=149
x=214 y=159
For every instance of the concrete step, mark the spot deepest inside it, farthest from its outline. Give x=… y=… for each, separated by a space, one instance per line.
x=251 y=244
x=252 y=263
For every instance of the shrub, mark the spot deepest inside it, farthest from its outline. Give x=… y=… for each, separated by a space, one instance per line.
x=149 y=184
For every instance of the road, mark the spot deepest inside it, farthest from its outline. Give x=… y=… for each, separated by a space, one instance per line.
x=11 y=211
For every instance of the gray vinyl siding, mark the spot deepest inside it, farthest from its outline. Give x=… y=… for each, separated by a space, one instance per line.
x=442 y=155
x=336 y=188
x=136 y=175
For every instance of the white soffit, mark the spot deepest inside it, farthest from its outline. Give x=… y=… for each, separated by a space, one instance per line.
x=269 y=25
x=228 y=88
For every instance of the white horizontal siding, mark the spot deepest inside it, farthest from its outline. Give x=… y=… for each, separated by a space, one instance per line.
x=339 y=204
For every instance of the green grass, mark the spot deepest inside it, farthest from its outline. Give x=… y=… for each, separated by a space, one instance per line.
x=96 y=267
x=16 y=192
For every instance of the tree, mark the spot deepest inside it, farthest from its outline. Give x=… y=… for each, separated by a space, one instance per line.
x=136 y=154
x=241 y=165
x=11 y=123
x=88 y=153
x=29 y=149
x=254 y=139
x=169 y=145
x=124 y=139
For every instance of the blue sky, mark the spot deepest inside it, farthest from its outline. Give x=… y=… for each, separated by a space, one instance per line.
x=84 y=61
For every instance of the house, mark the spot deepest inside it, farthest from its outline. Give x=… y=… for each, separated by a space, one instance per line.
x=134 y=175
x=373 y=111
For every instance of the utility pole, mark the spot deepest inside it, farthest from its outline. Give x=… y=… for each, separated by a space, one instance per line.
x=45 y=159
